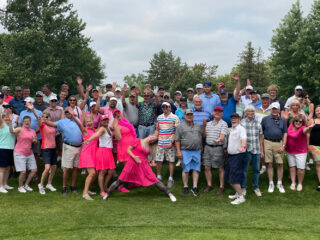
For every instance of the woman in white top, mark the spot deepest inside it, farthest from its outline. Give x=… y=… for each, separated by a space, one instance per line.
x=105 y=162
x=72 y=102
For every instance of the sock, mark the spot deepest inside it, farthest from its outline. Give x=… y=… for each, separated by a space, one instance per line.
x=195 y=186
x=158 y=176
x=170 y=178
x=279 y=183
x=270 y=182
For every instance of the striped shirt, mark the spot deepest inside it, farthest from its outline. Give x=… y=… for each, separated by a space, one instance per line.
x=214 y=130
x=254 y=130
x=167 y=129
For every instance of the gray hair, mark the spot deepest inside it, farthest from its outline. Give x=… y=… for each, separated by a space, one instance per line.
x=249 y=108
x=197 y=96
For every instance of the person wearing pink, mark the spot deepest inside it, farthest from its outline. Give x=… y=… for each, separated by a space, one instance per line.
x=297 y=150
x=48 y=150
x=105 y=162
x=94 y=114
x=137 y=170
x=88 y=154
x=23 y=156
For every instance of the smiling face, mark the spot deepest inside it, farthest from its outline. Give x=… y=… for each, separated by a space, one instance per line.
x=26 y=122
x=235 y=121
x=105 y=122
x=72 y=101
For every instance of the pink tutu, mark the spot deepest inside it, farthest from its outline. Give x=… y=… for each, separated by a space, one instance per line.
x=104 y=159
x=88 y=152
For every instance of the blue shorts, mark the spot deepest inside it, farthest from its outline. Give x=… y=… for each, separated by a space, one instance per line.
x=49 y=156
x=234 y=169
x=191 y=160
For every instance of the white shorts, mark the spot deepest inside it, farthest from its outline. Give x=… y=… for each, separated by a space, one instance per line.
x=70 y=156
x=168 y=152
x=24 y=163
x=297 y=160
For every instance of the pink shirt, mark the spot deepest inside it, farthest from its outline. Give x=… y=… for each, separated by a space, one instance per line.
x=24 y=142
x=107 y=110
x=48 y=135
x=297 y=141
x=7 y=99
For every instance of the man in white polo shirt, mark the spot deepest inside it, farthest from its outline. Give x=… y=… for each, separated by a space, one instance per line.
x=246 y=99
x=297 y=92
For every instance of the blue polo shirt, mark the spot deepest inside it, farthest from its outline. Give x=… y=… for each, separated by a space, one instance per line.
x=70 y=131
x=34 y=121
x=209 y=103
x=228 y=109
x=273 y=128
x=18 y=105
x=257 y=105
x=198 y=116
x=64 y=105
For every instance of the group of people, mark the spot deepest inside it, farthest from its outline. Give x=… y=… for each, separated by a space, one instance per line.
x=99 y=131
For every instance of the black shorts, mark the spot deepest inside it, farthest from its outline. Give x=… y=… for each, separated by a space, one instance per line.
x=6 y=158
x=49 y=156
x=234 y=168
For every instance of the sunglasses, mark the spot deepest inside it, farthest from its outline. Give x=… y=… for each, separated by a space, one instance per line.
x=46 y=117
x=54 y=100
x=72 y=100
x=166 y=97
x=298 y=121
x=306 y=97
x=66 y=112
x=164 y=106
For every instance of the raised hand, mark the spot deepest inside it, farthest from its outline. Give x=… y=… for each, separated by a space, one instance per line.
x=79 y=80
x=88 y=88
x=125 y=88
x=114 y=85
x=236 y=76
x=100 y=94
x=248 y=82
x=29 y=105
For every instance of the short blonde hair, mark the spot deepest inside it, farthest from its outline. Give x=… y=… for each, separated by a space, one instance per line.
x=295 y=102
x=272 y=88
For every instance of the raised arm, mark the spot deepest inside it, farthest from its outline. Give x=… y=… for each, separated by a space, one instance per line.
x=31 y=108
x=236 y=78
x=308 y=129
x=85 y=97
x=100 y=96
x=82 y=128
x=204 y=125
x=80 y=87
x=124 y=94
x=97 y=134
x=15 y=131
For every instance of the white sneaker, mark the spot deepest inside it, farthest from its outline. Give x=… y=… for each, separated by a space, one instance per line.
x=83 y=172
x=263 y=169
x=257 y=192
x=271 y=188
x=238 y=200
x=59 y=158
x=281 y=188
x=307 y=167
x=159 y=177
x=233 y=196
x=178 y=163
x=299 y=188
x=7 y=187
x=21 y=190
x=26 y=187
x=311 y=161
x=41 y=189
x=51 y=188
x=173 y=198
x=244 y=191
x=293 y=186
x=3 y=190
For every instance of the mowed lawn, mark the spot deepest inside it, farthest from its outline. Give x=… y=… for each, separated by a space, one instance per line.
x=146 y=213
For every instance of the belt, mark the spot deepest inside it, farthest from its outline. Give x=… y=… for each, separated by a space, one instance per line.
x=273 y=140
x=147 y=124
x=214 y=145
x=72 y=144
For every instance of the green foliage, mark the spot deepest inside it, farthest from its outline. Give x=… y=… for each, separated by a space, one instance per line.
x=286 y=57
x=45 y=44
x=136 y=80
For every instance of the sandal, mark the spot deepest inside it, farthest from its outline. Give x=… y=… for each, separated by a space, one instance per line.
x=87 y=197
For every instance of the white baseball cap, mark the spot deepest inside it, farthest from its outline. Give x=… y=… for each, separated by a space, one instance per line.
x=29 y=99
x=249 y=87
x=110 y=94
x=299 y=87
x=92 y=103
x=53 y=97
x=113 y=98
x=199 y=85
x=118 y=89
x=166 y=103
x=275 y=105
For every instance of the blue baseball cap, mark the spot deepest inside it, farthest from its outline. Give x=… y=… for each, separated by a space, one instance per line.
x=207 y=83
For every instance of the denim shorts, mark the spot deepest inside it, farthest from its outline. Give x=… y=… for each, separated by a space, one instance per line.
x=49 y=156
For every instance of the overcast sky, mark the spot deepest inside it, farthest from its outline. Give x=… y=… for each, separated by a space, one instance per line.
x=126 y=33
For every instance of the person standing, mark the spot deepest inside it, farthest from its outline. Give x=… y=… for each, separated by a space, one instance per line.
x=209 y=99
x=18 y=101
x=199 y=89
x=190 y=95
x=215 y=132
x=297 y=93
x=47 y=93
x=131 y=110
x=237 y=144
x=6 y=93
x=72 y=140
x=273 y=90
x=275 y=139
x=166 y=128
x=199 y=114
x=254 y=149
x=39 y=104
x=177 y=96
x=188 y=141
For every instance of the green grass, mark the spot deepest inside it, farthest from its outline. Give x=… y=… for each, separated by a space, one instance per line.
x=146 y=213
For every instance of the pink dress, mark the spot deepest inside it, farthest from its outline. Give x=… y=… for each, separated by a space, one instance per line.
x=138 y=173
x=104 y=154
x=126 y=140
x=88 y=152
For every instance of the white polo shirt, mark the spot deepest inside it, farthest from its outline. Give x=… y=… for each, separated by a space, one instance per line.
x=236 y=135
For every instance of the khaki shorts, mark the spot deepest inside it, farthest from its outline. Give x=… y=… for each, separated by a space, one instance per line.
x=271 y=152
x=70 y=156
x=170 y=154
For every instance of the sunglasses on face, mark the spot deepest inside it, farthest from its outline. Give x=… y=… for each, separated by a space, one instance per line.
x=166 y=97
x=66 y=112
x=306 y=97
x=298 y=121
x=72 y=100
x=53 y=100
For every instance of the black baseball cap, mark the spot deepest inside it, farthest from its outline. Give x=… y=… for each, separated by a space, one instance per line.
x=234 y=115
x=109 y=85
x=254 y=92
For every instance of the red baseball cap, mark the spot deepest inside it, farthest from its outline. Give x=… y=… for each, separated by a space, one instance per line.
x=220 y=85
x=218 y=108
x=105 y=116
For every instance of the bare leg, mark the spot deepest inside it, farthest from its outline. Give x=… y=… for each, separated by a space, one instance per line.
x=44 y=173
x=208 y=173
x=300 y=175
x=162 y=187
x=270 y=172
x=221 y=177
x=171 y=168
x=30 y=176
x=66 y=172
x=108 y=178
x=237 y=188
x=293 y=174
x=53 y=172
x=102 y=173
x=22 y=177
x=6 y=176
x=185 y=177
x=280 y=172
x=318 y=170
x=195 y=177
x=74 y=176
x=91 y=174
x=2 y=173
x=159 y=167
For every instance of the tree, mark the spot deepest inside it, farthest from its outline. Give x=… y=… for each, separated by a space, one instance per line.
x=285 y=61
x=136 y=80
x=45 y=44
x=164 y=69
x=308 y=50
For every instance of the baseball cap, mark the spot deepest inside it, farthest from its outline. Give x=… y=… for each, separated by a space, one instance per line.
x=249 y=87
x=18 y=88
x=178 y=92
x=92 y=103
x=189 y=111
x=113 y=98
x=183 y=99
x=53 y=97
x=254 y=92
x=39 y=93
x=234 y=115
x=147 y=92
x=166 y=94
x=207 y=83
x=221 y=85
x=29 y=99
x=161 y=88
x=95 y=89
x=275 y=105
x=218 y=108
x=118 y=89
x=298 y=87
x=108 y=85
x=148 y=85
x=199 y=85
x=110 y=94
x=5 y=88
x=132 y=94
x=7 y=106
x=265 y=95
x=166 y=104
x=106 y=116
x=223 y=91
x=190 y=89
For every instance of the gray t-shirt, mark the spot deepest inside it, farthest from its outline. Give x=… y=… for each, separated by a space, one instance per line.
x=189 y=136
x=131 y=113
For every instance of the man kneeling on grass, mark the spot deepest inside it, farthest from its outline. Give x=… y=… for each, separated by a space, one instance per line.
x=188 y=144
x=237 y=145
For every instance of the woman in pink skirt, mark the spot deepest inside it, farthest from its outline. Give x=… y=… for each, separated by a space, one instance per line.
x=105 y=162
x=88 y=154
x=137 y=170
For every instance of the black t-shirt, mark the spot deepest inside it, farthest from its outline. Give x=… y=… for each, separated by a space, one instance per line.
x=315 y=135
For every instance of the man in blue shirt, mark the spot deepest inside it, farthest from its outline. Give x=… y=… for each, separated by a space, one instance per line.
x=229 y=104
x=72 y=140
x=17 y=102
x=198 y=111
x=255 y=100
x=209 y=99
